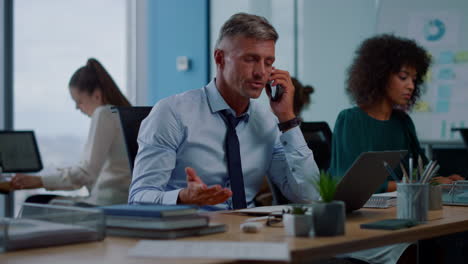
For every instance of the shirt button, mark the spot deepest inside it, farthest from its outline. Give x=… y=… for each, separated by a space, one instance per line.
x=285 y=143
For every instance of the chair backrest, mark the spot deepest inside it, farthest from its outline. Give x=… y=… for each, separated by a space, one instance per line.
x=318 y=136
x=452 y=159
x=464 y=134
x=130 y=121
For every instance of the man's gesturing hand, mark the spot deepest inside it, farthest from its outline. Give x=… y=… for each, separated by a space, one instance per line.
x=198 y=193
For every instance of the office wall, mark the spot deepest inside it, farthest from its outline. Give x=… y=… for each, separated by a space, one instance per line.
x=176 y=28
x=446 y=91
x=137 y=50
x=329 y=33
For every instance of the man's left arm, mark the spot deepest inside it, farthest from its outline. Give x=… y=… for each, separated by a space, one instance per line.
x=293 y=168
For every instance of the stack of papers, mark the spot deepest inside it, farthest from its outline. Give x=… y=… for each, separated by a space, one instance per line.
x=212 y=250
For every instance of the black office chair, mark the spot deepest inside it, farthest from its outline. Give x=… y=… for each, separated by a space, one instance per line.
x=130 y=121
x=318 y=136
x=464 y=134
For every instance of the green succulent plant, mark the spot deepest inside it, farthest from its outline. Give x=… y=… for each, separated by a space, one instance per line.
x=296 y=210
x=326 y=186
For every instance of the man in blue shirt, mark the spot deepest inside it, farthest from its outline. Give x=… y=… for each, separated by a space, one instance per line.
x=183 y=157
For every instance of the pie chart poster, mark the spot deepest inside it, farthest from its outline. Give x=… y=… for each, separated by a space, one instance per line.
x=435 y=29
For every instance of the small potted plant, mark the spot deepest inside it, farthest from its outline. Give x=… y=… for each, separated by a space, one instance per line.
x=329 y=215
x=297 y=221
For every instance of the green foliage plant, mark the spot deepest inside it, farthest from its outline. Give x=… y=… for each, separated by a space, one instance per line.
x=326 y=186
x=296 y=210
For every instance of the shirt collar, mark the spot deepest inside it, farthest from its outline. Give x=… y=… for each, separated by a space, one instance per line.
x=217 y=102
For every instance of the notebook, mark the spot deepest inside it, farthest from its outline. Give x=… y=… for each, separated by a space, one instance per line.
x=148 y=210
x=152 y=223
x=167 y=234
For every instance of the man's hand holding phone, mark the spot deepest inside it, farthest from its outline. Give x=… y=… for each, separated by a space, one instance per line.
x=198 y=193
x=281 y=102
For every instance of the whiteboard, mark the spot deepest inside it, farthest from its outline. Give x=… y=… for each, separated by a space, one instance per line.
x=440 y=27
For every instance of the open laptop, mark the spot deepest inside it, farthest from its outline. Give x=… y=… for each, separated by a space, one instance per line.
x=19 y=152
x=365 y=176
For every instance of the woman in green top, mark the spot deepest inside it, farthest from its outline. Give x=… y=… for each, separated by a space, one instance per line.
x=384 y=81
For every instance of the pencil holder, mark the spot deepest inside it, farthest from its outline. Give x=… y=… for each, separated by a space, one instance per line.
x=435 y=197
x=413 y=201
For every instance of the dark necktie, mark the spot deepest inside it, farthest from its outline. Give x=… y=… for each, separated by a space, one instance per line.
x=234 y=161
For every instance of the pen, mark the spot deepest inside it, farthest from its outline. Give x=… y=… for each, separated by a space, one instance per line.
x=436 y=169
x=405 y=175
x=390 y=171
x=420 y=168
x=431 y=170
x=410 y=168
x=426 y=170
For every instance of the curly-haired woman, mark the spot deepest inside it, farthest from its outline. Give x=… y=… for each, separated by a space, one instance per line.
x=384 y=80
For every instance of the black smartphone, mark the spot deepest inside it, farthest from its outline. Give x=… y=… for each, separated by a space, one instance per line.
x=276 y=91
x=390 y=224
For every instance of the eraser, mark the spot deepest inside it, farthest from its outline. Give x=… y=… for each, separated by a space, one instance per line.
x=251 y=227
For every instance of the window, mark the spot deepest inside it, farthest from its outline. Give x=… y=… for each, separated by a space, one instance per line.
x=52 y=39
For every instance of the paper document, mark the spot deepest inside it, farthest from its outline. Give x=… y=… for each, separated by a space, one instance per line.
x=264 y=210
x=211 y=250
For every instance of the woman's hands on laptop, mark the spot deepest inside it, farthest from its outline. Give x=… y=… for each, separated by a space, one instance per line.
x=24 y=181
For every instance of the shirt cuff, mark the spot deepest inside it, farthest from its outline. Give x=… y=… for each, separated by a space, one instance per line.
x=52 y=181
x=170 y=197
x=292 y=139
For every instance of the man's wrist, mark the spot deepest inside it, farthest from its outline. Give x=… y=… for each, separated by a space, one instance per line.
x=285 y=126
x=179 y=197
x=285 y=117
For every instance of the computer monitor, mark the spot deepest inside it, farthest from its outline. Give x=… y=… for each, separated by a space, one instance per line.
x=19 y=152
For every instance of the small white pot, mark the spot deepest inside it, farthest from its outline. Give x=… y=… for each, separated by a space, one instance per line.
x=297 y=225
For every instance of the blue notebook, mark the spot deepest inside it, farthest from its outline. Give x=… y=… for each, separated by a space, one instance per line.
x=149 y=210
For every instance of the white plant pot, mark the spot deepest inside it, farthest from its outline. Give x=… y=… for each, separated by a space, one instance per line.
x=298 y=225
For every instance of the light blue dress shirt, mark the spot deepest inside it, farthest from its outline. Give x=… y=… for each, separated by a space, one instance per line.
x=187 y=130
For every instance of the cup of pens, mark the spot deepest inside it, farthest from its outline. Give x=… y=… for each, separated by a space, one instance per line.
x=413 y=201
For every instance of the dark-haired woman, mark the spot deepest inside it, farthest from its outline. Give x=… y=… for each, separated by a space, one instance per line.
x=384 y=81
x=301 y=96
x=103 y=167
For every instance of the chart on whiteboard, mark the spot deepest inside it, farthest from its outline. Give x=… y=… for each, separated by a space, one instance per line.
x=444 y=101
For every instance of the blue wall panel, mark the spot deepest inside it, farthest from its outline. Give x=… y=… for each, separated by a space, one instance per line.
x=177 y=28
